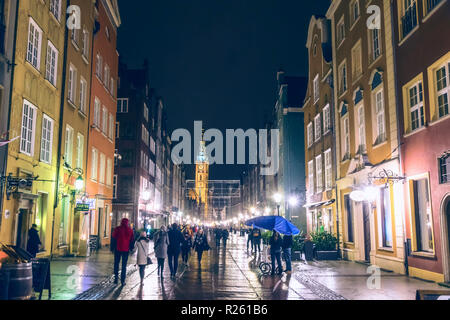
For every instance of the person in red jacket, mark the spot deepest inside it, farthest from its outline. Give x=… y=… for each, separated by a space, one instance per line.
x=123 y=237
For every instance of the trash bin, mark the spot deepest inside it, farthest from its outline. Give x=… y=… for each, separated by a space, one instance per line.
x=4 y=284
x=309 y=250
x=20 y=280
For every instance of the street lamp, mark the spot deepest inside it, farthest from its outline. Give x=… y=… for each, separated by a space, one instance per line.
x=146 y=195
x=278 y=197
x=79 y=184
x=293 y=201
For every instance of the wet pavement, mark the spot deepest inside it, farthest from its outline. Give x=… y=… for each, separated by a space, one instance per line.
x=232 y=274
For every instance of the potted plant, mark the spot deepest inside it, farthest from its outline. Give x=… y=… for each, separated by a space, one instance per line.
x=266 y=237
x=298 y=247
x=325 y=245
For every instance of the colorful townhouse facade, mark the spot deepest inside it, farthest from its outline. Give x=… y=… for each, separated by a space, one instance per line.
x=102 y=122
x=70 y=231
x=320 y=151
x=369 y=192
x=422 y=52
x=34 y=122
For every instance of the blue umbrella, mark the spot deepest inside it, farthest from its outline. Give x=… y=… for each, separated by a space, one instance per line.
x=277 y=223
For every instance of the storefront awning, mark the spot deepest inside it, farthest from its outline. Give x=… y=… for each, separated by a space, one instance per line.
x=319 y=204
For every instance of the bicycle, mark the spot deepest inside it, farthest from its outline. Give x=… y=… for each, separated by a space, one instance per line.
x=266 y=267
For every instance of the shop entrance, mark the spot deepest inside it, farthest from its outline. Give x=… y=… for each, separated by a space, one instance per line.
x=366 y=224
x=22 y=228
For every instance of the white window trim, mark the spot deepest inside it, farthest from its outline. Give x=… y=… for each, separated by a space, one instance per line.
x=72 y=84
x=52 y=77
x=319 y=174
x=68 y=145
x=316 y=88
x=57 y=14
x=445 y=90
x=346 y=135
x=33 y=44
x=361 y=140
x=310 y=134
x=80 y=151
x=341 y=87
x=44 y=140
x=94 y=164
x=311 y=182
x=83 y=95
x=418 y=107
x=33 y=129
x=328 y=169
x=326 y=119
x=317 y=128
x=378 y=134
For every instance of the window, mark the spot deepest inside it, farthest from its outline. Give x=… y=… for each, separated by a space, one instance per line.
x=421 y=208
x=328 y=170
x=46 y=139
x=379 y=113
x=55 y=8
x=145 y=112
x=361 y=130
x=310 y=135
x=111 y=127
x=444 y=169
x=430 y=5
x=346 y=138
x=72 y=83
x=152 y=145
x=106 y=77
x=317 y=128
x=80 y=151
x=409 y=17
x=105 y=120
x=416 y=106
x=75 y=36
x=340 y=31
x=311 y=176
x=117 y=129
x=375 y=44
x=109 y=169
x=386 y=218
x=356 y=61
x=28 y=128
x=349 y=218
x=122 y=105
x=51 y=70
x=111 y=87
x=99 y=66
x=326 y=119
x=34 y=44
x=85 y=43
x=342 y=78
x=319 y=174
x=151 y=168
x=68 y=145
x=94 y=165
x=115 y=186
x=443 y=89
x=97 y=112
x=101 y=178
x=83 y=95
x=316 y=89
x=354 y=11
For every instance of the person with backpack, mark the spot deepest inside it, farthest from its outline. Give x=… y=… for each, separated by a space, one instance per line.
x=218 y=235
x=161 y=243
x=250 y=239
x=200 y=245
x=174 y=249
x=186 y=247
x=257 y=240
x=276 y=244
x=142 y=259
x=124 y=241
x=33 y=242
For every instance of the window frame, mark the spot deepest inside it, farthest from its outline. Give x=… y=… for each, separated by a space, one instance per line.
x=319 y=174
x=326 y=119
x=311 y=182
x=68 y=145
x=80 y=151
x=317 y=127
x=46 y=144
x=29 y=141
x=33 y=48
x=310 y=134
x=316 y=88
x=51 y=69
x=328 y=170
x=72 y=84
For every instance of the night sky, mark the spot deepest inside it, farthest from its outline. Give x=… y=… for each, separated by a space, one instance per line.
x=216 y=60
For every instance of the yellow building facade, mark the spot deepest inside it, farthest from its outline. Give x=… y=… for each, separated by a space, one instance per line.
x=201 y=180
x=35 y=115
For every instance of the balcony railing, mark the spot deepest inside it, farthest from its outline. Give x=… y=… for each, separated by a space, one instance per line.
x=409 y=20
x=431 y=4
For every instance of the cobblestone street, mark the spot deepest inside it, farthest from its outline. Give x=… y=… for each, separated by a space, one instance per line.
x=232 y=274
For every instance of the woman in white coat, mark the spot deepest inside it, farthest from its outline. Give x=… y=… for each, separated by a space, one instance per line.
x=142 y=245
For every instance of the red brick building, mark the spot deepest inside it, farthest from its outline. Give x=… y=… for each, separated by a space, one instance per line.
x=103 y=108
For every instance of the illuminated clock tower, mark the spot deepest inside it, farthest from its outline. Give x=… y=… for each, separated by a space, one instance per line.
x=201 y=179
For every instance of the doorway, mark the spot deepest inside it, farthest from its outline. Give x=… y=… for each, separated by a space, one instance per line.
x=22 y=228
x=366 y=225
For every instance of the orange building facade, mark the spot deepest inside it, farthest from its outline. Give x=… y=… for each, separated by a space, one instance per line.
x=102 y=121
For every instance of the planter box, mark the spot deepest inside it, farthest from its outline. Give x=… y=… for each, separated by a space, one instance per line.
x=327 y=255
x=296 y=256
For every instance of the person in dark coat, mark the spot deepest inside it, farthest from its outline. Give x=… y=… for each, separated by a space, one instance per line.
x=288 y=242
x=250 y=239
x=218 y=235
x=276 y=244
x=257 y=240
x=225 y=236
x=173 y=251
x=200 y=245
x=33 y=241
x=186 y=247
x=124 y=237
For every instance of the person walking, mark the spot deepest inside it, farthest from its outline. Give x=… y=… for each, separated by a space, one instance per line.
x=218 y=235
x=34 y=242
x=186 y=247
x=200 y=245
x=250 y=239
x=142 y=259
x=276 y=244
x=288 y=242
x=225 y=236
x=124 y=238
x=257 y=240
x=161 y=243
x=174 y=249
